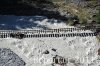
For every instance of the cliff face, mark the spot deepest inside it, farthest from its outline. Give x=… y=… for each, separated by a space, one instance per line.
x=29 y=8
x=35 y=7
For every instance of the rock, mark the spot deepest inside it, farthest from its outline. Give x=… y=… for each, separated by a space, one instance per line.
x=46 y=52
x=53 y=49
x=9 y=58
x=18 y=35
x=99 y=52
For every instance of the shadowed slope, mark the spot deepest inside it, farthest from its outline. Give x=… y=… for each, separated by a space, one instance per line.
x=25 y=9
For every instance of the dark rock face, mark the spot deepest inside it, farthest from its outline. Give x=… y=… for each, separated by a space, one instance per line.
x=29 y=8
x=8 y=2
x=9 y=58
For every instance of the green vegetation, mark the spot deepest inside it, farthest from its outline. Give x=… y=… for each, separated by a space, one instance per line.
x=83 y=13
x=97 y=18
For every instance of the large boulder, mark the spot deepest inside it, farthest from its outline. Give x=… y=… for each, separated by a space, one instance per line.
x=9 y=58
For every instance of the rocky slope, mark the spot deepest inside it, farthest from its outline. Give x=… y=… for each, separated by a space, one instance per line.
x=51 y=10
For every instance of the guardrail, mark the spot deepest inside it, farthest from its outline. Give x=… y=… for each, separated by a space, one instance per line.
x=48 y=31
x=46 y=35
x=62 y=32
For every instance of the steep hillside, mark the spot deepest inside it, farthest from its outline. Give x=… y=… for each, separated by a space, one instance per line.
x=85 y=10
x=72 y=11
